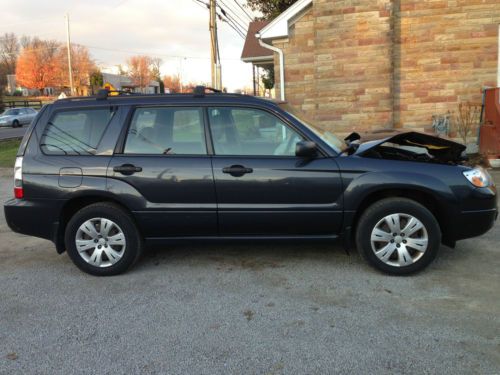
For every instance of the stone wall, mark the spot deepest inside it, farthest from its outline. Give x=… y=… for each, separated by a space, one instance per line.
x=299 y=63
x=353 y=64
x=374 y=64
x=446 y=52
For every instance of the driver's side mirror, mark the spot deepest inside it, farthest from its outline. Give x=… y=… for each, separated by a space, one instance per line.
x=306 y=149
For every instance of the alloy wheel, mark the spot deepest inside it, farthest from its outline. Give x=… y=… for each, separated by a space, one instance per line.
x=100 y=242
x=399 y=239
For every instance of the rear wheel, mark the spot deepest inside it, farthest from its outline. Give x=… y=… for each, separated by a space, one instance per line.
x=103 y=240
x=398 y=236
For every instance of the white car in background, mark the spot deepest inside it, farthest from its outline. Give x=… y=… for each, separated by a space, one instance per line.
x=17 y=116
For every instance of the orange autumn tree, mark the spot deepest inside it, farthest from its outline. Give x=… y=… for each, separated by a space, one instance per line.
x=172 y=83
x=82 y=66
x=139 y=71
x=37 y=65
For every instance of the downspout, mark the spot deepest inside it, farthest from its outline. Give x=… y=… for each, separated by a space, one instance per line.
x=282 y=64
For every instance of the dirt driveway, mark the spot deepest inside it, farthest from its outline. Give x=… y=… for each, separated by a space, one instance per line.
x=248 y=309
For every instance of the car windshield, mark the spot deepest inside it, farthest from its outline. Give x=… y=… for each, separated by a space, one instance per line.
x=11 y=112
x=331 y=139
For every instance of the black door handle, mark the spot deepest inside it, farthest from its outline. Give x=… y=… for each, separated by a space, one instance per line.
x=127 y=169
x=237 y=170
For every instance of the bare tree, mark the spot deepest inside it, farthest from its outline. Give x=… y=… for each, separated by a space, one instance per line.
x=82 y=67
x=155 y=68
x=139 y=71
x=467 y=119
x=9 y=51
x=172 y=83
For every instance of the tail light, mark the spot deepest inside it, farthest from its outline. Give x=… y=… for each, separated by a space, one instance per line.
x=18 y=178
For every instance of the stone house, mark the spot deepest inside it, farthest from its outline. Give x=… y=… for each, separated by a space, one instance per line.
x=383 y=64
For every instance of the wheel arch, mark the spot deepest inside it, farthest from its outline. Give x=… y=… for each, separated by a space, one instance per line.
x=422 y=196
x=75 y=204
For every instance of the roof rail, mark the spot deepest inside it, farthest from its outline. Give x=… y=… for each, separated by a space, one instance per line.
x=199 y=91
x=104 y=93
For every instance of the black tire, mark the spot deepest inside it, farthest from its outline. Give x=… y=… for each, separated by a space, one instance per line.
x=15 y=124
x=134 y=243
x=376 y=212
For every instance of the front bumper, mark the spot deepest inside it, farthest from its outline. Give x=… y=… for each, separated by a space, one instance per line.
x=478 y=215
x=474 y=223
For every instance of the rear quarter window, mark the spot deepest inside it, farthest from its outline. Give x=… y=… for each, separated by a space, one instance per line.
x=75 y=132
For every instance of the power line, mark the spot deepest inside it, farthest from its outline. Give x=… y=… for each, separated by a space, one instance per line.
x=31 y=50
x=119 y=4
x=225 y=18
x=232 y=25
x=244 y=10
x=146 y=53
x=228 y=16
x=53 y=32
x=234 y=13
x=202 y=4
x=130 y=52
x=41 y=20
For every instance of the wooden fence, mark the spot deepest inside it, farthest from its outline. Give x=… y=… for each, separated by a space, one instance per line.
x=37 y=104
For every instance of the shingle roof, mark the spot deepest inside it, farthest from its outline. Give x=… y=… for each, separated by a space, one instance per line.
x=252 y=49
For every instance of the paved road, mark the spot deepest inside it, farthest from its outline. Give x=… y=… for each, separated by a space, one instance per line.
x=9 y=132
x=248 y=309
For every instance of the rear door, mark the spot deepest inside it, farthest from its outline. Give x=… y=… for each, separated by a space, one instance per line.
x=164 y=160
x=262 y=187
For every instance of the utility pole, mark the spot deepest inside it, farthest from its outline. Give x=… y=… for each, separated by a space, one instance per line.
x=68 y=45
x=214 y=47
x=181 y=73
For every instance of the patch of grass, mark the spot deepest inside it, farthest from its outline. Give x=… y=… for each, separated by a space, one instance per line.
x=8 y=151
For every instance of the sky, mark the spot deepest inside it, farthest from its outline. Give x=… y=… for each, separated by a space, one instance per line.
x=113 y=30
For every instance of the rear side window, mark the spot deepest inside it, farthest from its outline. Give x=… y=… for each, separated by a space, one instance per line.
x=75 y=132
x=166 y=131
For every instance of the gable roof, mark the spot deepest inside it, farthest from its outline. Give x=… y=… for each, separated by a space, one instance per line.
x=252 y=50
x=278 y=28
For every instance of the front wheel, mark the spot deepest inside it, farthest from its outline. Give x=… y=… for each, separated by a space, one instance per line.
x=103 y=240
x=398 y=236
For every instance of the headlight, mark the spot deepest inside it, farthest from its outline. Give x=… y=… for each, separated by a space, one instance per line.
x=478 y=177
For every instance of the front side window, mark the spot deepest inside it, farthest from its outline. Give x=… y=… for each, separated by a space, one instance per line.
x=166 y=131
x=75 y=132
x=243 y=131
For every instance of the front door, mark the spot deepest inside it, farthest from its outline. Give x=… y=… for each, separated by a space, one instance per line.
x=165 y=162
x=262 y=187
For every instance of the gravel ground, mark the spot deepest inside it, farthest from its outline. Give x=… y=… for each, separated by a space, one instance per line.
x=248 y=309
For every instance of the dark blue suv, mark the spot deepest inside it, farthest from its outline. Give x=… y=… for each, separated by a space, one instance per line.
x=103 y=176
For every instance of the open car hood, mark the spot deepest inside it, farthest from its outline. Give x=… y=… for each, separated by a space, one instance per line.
x=440 y=150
